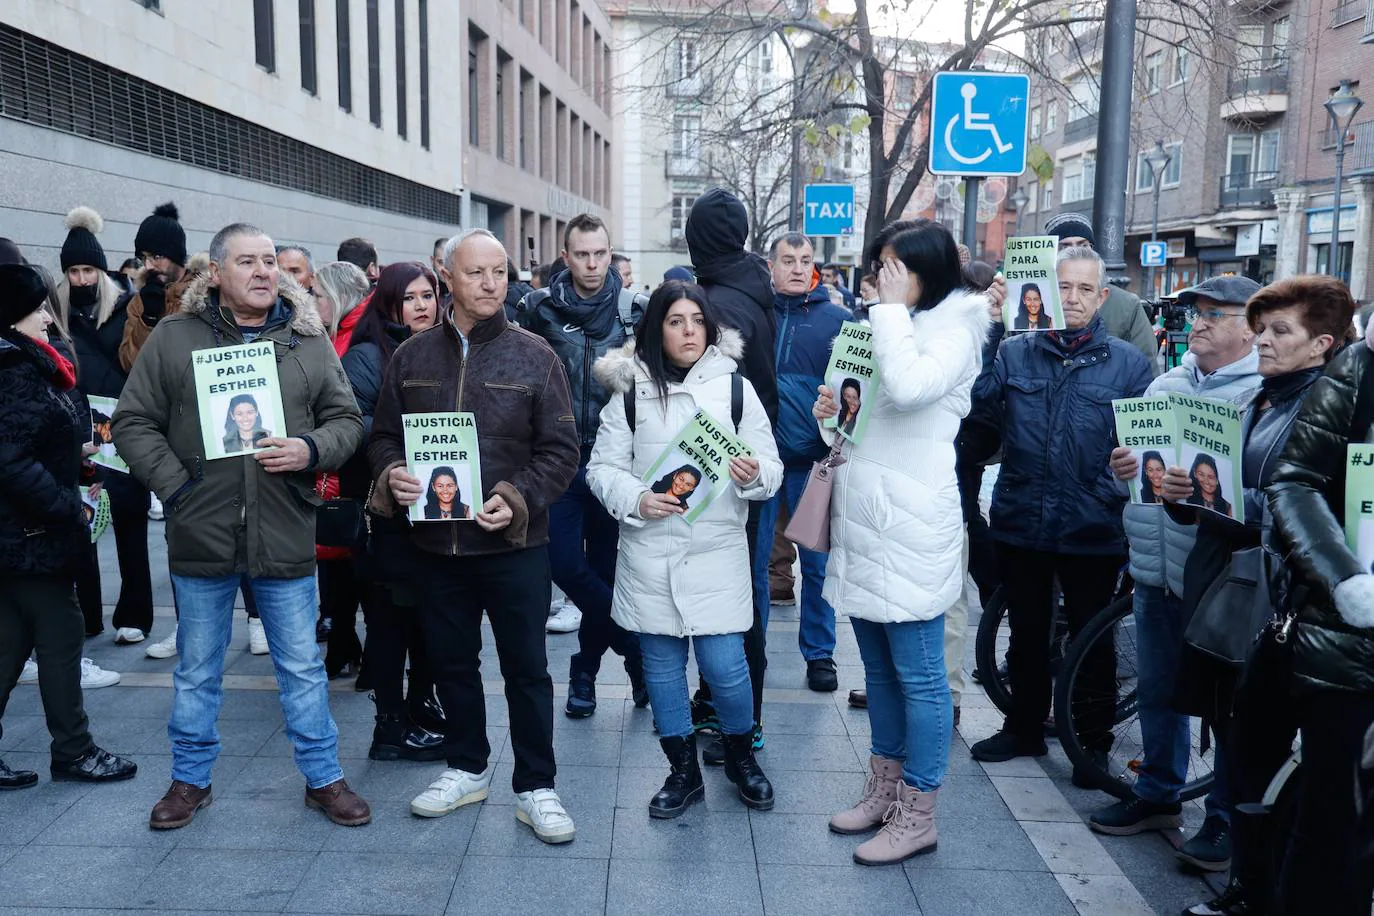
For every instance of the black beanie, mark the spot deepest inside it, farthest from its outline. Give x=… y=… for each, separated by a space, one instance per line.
x=81 y=248
x=22 y=291
x=1069 y=225
x=161 y=235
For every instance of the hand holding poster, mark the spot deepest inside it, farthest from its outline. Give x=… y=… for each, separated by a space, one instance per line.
x=695 y=465
x=239 y=397
x=1148 y=427
x=853 y=376
x=102 y=410
x=1032 y=302
x=441 y=450
x=1210 y=451
x=1359 y=502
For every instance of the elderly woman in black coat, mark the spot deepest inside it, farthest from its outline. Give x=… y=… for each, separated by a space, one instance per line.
x=42 y=533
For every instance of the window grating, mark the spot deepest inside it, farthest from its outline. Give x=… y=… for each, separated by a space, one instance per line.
x=47 y=85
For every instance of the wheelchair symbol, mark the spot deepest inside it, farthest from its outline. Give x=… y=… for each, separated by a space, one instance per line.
x=973 y=120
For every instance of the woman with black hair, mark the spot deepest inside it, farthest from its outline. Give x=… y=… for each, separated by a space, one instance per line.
x=851 y=399
x=1030 y=313
x=1152 y=469
x=1207 y=485
x=677 y=583
x=443 y=496
x=243 y=424
x=897 y=529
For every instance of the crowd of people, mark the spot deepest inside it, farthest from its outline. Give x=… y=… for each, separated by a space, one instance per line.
x=577 y=382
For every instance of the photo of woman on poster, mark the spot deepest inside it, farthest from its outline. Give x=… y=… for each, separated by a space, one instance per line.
x=243 y=425
x=851 y=399
x=443 y=499
x=1207 y=485
x=1151 y=476
x=680 y=483
x=1031 y=314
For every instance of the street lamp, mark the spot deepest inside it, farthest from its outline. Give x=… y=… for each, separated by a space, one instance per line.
x=1158 y=160
x=1019 y=199
x=1341 y=108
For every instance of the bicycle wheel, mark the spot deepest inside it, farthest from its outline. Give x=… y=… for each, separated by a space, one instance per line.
x=990 y=652
x=1087 y=717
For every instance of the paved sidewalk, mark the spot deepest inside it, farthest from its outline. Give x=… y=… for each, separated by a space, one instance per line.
x=1012 y=837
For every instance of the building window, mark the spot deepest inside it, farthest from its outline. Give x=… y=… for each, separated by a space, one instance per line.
x=1183 y=65
x=682 y=206
x=1323 y=252
x=1032 y=197
x=1034 y=122
x=345 y=55
x=1051 y=117
x=687 y=60
x=1154 y=71
x=474 y=98
x=424 y=73
x=1083 y=98
x=500 y=108
x=903 y=92
x=1047 y=197
x=264 y=35
x=374 y=62
x=522 y=123
x=1252 y=158
x=402 y=115
x=1278 y=42
x=309 y=76
x=1173 y=172
x=687 y=136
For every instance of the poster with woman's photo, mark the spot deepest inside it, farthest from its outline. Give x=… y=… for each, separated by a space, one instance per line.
x=1210 y=451
x=1147 y=426
x=106 y=455
x=1032 y=302
x=239 y=397
x=695 y=465
x=441 y=450
x=1359 y=502
x=95 y=510
x=853 y=376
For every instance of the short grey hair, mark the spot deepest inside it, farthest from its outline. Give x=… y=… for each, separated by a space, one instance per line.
x=1084 y=253
x=452 y=244
x=791 y=240
x=219 y=245
x=305 y=253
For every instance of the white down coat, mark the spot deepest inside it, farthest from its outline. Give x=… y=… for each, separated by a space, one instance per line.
x=671 y=578
x=896 y=528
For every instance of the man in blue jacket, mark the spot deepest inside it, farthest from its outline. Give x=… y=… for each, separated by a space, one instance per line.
x=807 y=325
x=1056 y=510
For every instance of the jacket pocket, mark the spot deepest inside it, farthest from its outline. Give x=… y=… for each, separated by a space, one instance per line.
x=420 y=383
x=502 y=386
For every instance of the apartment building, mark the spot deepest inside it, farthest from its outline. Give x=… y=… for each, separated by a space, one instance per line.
x=316 y=119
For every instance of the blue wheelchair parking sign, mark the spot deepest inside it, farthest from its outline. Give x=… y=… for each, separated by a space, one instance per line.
x=978 y=123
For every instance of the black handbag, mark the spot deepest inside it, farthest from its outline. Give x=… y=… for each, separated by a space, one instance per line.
x=338 y=522
x=1236 y=607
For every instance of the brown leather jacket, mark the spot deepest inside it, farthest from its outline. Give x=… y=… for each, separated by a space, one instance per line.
x=517 y=389
x=136 y=330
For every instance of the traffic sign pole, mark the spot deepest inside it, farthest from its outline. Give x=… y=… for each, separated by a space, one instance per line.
x=971 y=189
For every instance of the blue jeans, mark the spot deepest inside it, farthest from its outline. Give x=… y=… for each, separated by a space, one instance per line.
x=288 y=615
x=1165 y=734
x=816 y=635
x=720 y=658
x=909 y=708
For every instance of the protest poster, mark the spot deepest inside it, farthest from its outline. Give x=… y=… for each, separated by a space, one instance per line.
x=441 y=450
x=695 y=465
x=853 y=376
x=1210 y=450
x=1148 y=427
x=1359 y=502
x=95 y=511
x=106 y=455
x=1032 y=302
x=239 y=397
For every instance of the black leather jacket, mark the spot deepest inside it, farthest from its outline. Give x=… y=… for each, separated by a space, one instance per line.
x=1307 y=499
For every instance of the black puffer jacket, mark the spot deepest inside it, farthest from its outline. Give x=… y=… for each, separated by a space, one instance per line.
x=1307 y=499
x=99 y=371
x=41 y=430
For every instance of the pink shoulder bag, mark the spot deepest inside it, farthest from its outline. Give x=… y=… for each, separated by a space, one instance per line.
x=810 y=522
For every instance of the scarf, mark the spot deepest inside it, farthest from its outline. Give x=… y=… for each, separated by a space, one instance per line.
x=1290 y=385
x=1070 y=341
x=64 y=375
x=596 y=316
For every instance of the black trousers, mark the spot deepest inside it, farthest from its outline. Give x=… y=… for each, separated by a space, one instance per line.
x=514 y=589
x=88 y=591
x=393 y=633
x=341 y=591
x=129 y=503
x=982 y=550
x=40 y=612
x=1087 y=583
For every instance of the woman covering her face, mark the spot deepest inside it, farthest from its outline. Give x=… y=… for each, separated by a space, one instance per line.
x=243 y=424
x=443 y=499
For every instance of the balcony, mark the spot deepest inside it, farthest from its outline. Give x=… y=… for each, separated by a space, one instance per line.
x=686 y=165
x=1257 y=94
x=687 y=87
x=1248 y=190
x=1359 y=157
x=1080 y=129
x=1348 y=11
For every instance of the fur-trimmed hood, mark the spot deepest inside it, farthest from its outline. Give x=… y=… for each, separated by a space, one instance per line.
x=963 y=306
x=305 y=317
x=619 y=369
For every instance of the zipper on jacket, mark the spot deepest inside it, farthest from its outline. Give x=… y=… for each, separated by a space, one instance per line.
x=586 y=387
x=458 y=406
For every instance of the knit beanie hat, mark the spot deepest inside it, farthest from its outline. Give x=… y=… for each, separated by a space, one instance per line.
x=1070 y=225
x=161 y=235
x=22 y=291
x=81 y=248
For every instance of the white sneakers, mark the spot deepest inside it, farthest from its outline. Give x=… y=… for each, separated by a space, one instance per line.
x=544 y=814
x=541 y=809
x=257 y=637
x=164 y=648
x=127 y=636
x=564 y=617
x=30 y=673
x=155 y=508
x=93 y=676
x=451 y=791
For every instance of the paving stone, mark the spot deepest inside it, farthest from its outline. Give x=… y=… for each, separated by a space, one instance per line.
x=802 y=719
x=247 y=823
x=812 y=753
x=1104 y=895
x=503 y=885
x=395 y=829
x=498 y=833
x=1070 y=849
x=129 y=703
x=956 y=892
x=1032 y=799
x=109 y=815
x=979 y=843
x=690 y=888
x=799 y=792
x=799 y=839
x=805 y=891
x=580 y=788
x=969 y=796
x=230 y=879
x=389 y=883
x=638 y=785
x=699 y=834
x=593 y=747
x=74 y=876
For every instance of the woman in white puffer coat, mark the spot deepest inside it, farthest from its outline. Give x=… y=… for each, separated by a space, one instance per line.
x=897 y=531
x=676 y=581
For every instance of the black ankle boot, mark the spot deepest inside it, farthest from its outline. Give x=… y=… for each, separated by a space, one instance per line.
x=394 y=739
x=683 y=786
x=429 y=713
x=639 y=691
x=743 y=770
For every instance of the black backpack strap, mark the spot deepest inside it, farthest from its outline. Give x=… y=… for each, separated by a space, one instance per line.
x=630 y=419
x=736 y=399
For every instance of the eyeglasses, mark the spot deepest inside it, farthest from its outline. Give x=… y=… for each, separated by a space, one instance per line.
x=1211 y=316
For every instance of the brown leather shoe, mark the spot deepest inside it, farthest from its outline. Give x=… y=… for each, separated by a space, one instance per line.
x=339 y=803
x=179 y=805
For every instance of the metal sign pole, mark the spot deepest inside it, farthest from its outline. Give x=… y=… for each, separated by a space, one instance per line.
x=971 y=188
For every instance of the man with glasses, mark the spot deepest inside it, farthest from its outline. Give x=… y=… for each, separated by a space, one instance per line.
x=1221 y=363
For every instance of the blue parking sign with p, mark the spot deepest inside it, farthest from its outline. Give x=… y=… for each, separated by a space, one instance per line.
x=978 y=123
x=1154 y=254
x=828 y=210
